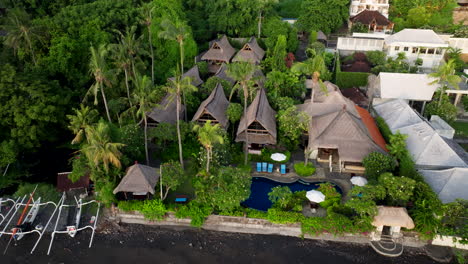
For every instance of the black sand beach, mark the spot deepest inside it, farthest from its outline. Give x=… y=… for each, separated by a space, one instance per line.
x=136 y=244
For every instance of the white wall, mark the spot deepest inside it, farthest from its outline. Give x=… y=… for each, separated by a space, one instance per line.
x=429 y=60
x=358 y=6
x=359 y=44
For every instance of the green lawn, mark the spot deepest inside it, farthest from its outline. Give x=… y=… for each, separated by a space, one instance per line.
x=461 y=128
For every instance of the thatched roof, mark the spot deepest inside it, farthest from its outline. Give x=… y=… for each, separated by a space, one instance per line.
x=321 y=35
x=138 y=179
x=393 y=216
x=215 y=105
x=351 y=131
x=194 y=75
x=258 y=77
x=259 y=111
x=220 y=50
x=165 y=112
x=367 y=17
x=221 y=73
x=251 y=52
x=318 y=95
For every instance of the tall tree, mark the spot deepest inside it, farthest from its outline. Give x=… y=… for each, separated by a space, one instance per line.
x=263 y=5
x=147 y=14
x=131 y=45
x=445 y=75
x=242 y=72
x=177 y=86
x=324 y=15
x=21 y=33
x=84 y=117
x=315 y=67
x=208 y=135
x=178 y=32
x=144 y=95
x=99 y=149
x=99 y=69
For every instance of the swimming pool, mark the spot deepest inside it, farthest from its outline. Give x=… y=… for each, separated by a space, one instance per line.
x=262 y=186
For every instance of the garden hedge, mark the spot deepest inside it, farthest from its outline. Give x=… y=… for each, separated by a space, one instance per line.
x=346 y=80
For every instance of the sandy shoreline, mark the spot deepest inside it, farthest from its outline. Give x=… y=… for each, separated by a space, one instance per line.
x=144 y=244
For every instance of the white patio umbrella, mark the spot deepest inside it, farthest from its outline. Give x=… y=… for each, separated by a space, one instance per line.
x=358 y=180
x=278 y=156
x=315 y=196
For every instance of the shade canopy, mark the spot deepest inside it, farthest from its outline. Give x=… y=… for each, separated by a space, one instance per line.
x=393 y=216
x=358 y=180
x=315 y=196
x=278 y=156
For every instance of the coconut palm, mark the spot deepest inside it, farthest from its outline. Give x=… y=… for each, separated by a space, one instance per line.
x=177 y=86
x=123 y=63
x=143 y=96
x=99 y=149
x=147 y=14
x=208 y=135
x=315 y=67
x=445 y=75
x=81 y=121
x=98 y=68
x=131 y=45
x=178 y=32
x=21 y=32
x=242 y=72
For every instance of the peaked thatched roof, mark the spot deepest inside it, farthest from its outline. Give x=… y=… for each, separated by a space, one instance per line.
x=259 y=111
x=251 y=52
x=333 y=125
x=139 y=179
x=221 y=73
x=393 y=216
x=220 y=50
x=216 y=105
x=165 y=112
x=194 y=75
x=367 y=17
x=321 y=35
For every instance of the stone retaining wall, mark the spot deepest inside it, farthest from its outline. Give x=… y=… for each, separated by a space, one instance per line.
x=252 y=226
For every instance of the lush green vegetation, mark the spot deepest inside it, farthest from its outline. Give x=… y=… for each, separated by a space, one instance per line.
x=304 y=170
x=346 y=80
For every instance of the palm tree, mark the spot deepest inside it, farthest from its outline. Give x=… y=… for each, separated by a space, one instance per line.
x=315 y=67
x=242 y=72
x=177 y=86
x=144 y=95
x=100 y=150
x=131 y=45
x=178 y=32
x=123 y=62
x=208 y=135
x=98 y=68
x=81 y=121
x=445 y=75
x=147 y=13
x=21 y=32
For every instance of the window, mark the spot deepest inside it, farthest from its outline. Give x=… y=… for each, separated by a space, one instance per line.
x=415 y=50
x=406 y=48
x=422 y=51
x=397 y=48
x=430 y=51
x=438 y=51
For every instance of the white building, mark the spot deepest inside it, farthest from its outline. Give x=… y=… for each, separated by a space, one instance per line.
x=422 y=44
x=357 y=6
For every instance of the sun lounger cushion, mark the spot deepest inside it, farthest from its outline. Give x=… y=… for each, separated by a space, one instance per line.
x=270 y=168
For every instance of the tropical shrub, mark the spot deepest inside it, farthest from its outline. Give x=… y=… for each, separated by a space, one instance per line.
x=47 y=192
x=304 y=170
x=195 y=211
x=399 y=190
x=278 y=216
x=280 y=196
x=346 y=80
x=332 y=196
x=377 y=163
x=153 y=209
x=445 y=109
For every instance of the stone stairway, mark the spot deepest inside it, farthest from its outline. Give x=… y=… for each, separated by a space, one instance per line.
x=387 y=246
x=335 y=168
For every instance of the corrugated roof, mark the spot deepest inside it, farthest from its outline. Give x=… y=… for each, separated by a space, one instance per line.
x=448 y=184
x=216 y=105
x=407 y=86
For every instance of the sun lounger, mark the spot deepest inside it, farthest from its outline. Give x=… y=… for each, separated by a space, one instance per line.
x=283 y=169
x=270 y=168
x=259 y=167
x=264 y=167
x=181 y=199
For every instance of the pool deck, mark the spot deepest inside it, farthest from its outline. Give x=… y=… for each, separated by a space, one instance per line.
x=321 y=174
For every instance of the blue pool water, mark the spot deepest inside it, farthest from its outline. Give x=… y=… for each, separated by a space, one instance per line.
x=262 y=186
